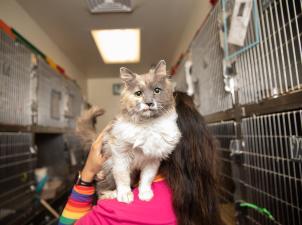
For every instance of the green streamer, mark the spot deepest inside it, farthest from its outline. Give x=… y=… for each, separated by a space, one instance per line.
x=20 y=38
x=261 y=210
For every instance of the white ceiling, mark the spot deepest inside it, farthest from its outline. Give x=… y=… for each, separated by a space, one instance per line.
x=68 y=24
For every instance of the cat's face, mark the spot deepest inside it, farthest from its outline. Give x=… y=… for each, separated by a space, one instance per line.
x=148 y=95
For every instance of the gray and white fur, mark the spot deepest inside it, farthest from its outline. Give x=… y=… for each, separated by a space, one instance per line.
x=142 y=134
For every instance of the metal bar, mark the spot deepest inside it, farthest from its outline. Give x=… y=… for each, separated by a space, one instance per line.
x=249 y=46
x=293 y=50
x=287 y=102
x=17 y=163
x=281 y=49
x=33 y=129
x=292 y=132
x=283 y=103
x=268 y=133
x=286 y=44
x=298 y=37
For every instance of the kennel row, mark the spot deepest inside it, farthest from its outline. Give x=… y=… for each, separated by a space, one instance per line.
x=18 y=161
x=224 y=134
x=259 y=150
x=274 y=66
x=207 y=69
x=31 y=92
x=60 y=156
x=270 y=69
x=270 y=167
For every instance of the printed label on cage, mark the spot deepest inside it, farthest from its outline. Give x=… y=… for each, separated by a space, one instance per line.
x=296 y=148
x=240 y=21
x=266 y=3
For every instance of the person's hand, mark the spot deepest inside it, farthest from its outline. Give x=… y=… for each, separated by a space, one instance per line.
x=94 y=160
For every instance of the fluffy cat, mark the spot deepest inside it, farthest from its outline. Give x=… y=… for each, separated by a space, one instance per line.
x=142 y=134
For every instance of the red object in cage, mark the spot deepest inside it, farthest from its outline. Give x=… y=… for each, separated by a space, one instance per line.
x=213 y=2
x=7 y=30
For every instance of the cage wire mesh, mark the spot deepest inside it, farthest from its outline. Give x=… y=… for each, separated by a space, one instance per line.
x=15 y=69
x=232 y=26
x=50 y=94
x=17 y=164
x=272 y=165
x=179 y=78
x=76 y=152
x=224 y=132
x=274 y=66
x=72 y=103
x=207 y=58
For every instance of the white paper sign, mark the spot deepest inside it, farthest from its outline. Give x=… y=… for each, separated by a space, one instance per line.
x=240 y=21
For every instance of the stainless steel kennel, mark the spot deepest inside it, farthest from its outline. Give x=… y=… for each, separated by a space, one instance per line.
x=260 y=128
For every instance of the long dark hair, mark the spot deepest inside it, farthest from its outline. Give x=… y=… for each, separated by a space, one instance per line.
x=191 y=169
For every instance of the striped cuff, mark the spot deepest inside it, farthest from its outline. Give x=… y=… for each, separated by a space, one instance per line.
x=79 y=203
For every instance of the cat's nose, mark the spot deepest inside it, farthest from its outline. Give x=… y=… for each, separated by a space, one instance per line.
x=150 y=104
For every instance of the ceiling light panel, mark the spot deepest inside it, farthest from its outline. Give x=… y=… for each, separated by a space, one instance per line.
x=118 y=45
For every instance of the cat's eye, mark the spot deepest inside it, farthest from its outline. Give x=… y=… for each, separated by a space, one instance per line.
x=157 y=90
x=138 y=93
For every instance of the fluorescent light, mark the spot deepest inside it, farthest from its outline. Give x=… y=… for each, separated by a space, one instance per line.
x=118 y=45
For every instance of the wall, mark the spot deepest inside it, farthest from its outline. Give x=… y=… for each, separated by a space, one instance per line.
x=200 y=10
x=15 y=16
x=100 y=93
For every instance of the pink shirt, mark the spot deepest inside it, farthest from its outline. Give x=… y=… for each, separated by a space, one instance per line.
x=159 y=210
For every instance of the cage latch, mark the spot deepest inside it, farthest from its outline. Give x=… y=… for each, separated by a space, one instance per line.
x=236 y=147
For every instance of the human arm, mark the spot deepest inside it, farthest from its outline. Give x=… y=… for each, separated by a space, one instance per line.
x=80 y=200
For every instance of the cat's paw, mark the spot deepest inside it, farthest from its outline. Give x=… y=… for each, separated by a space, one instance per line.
x=108 y=195
x=125 y=195
x=145 y=194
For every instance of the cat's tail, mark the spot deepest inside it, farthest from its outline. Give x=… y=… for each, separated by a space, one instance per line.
x=85 y=127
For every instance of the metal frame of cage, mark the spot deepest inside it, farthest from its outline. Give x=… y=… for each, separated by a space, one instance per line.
x=73 y=103
x=17 y=164
x=179 y=78
x=269 y=70
x=207 y=58
x=49 y=96
x=76 y=152
x=273 y=172
x=224 y=132
x=267 y=113
x=31 y=92
x=15 y=72
x=272 y=67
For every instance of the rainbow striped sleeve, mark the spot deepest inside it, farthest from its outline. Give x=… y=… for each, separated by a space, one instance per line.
x=78 y=204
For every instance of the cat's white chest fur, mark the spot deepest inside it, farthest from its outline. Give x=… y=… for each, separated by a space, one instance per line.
x=156 y=138
x=141 y=146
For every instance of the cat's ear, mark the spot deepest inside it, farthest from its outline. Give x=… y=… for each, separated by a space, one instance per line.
x=126 y=75
x=161 y=68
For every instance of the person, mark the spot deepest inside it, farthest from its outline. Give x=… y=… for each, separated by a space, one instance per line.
x=185 y=191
